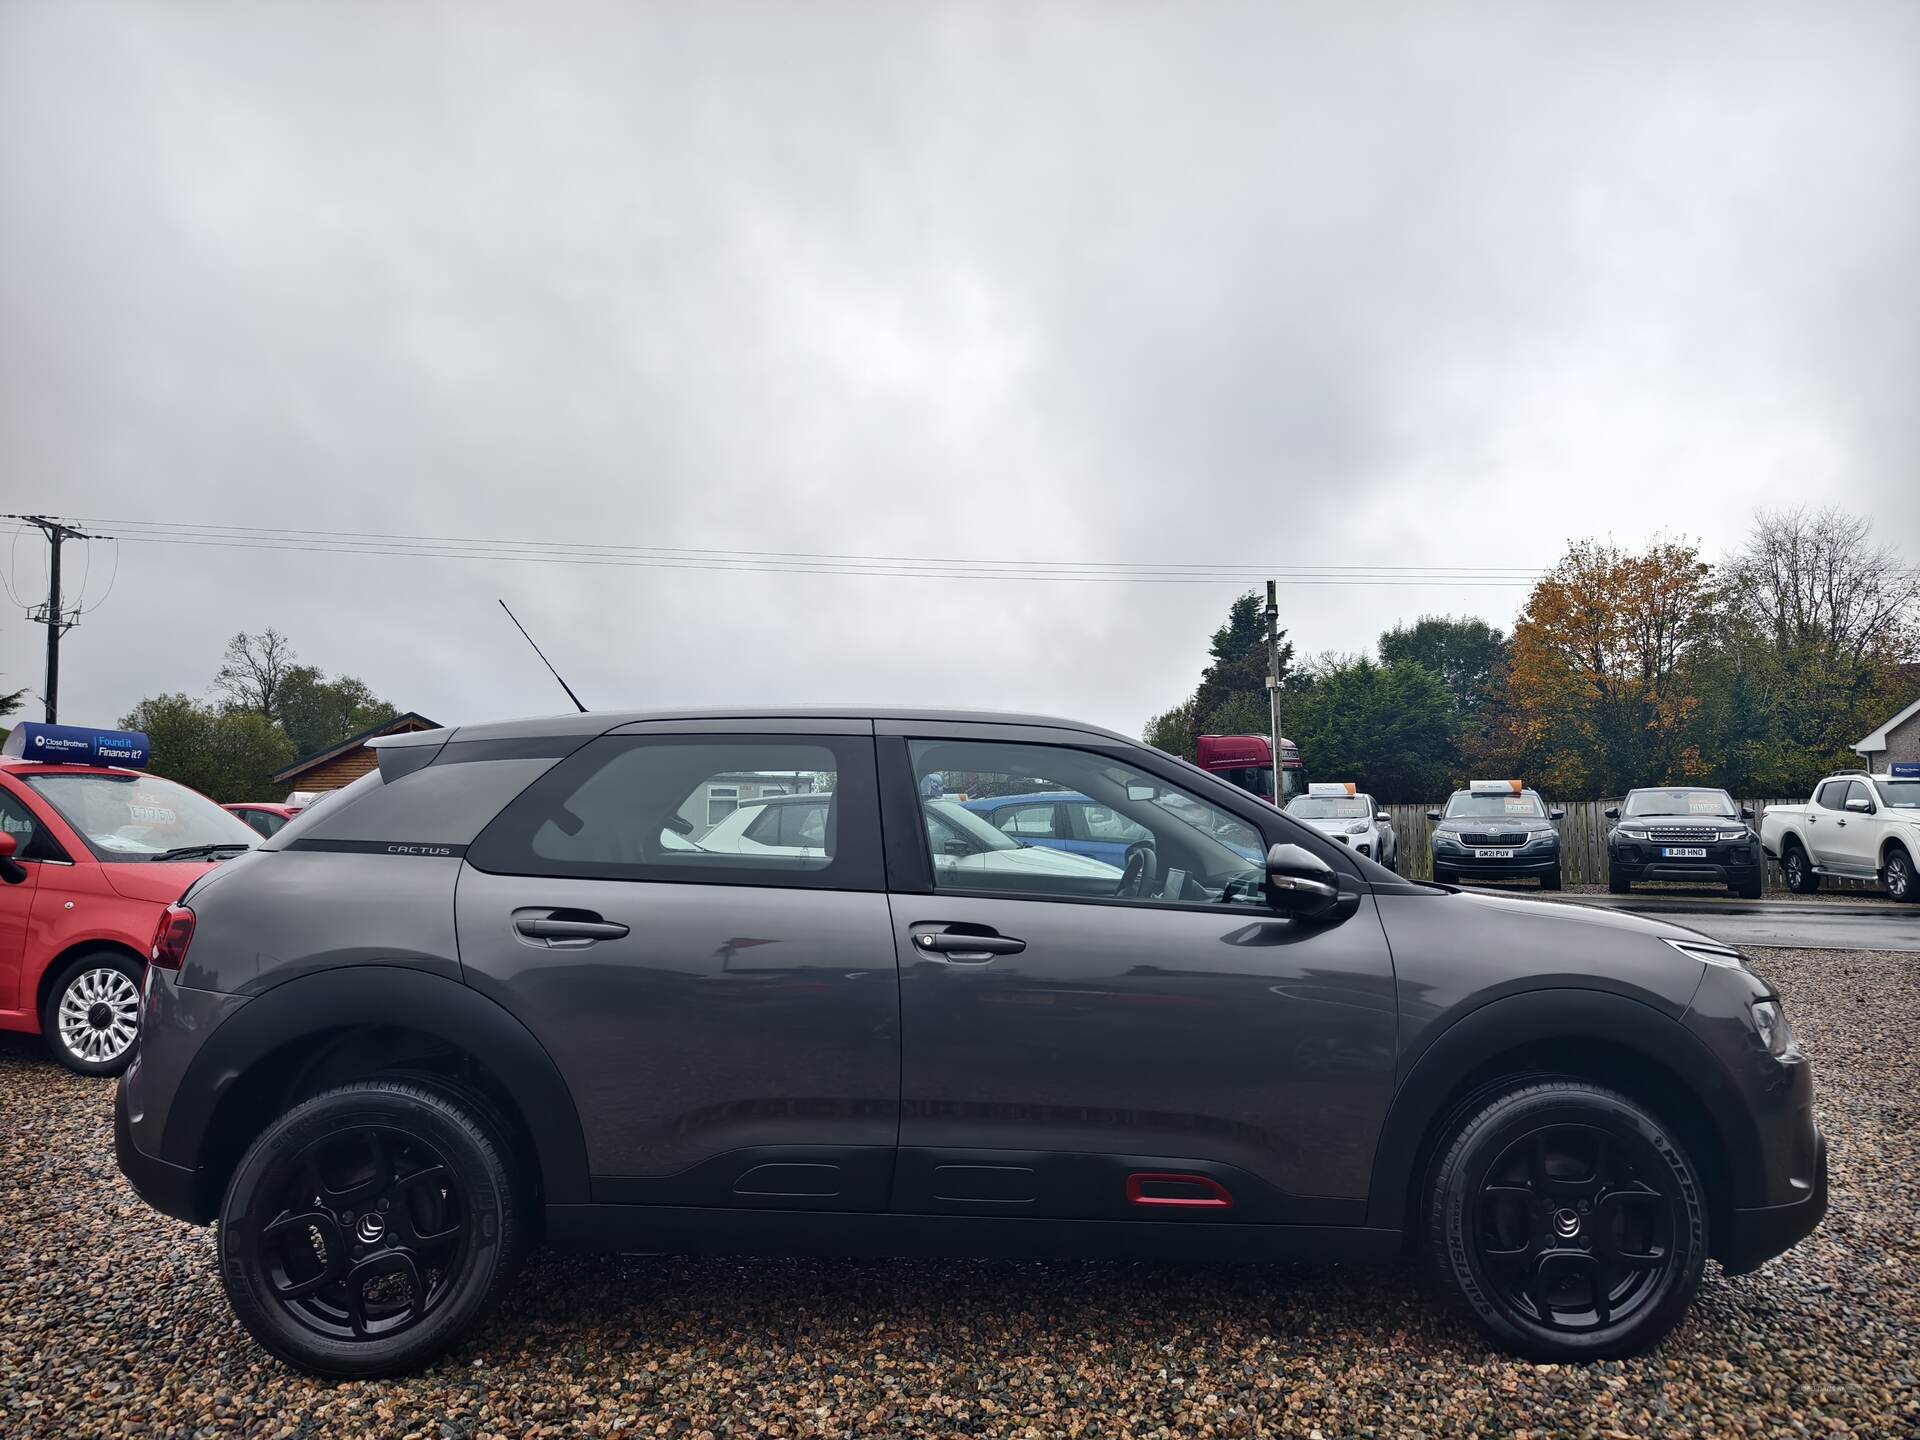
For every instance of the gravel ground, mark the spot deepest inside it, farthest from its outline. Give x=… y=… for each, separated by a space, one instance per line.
x=112 y=1321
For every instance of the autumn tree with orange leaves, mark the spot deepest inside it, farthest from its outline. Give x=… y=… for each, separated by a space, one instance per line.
x=1598 y=697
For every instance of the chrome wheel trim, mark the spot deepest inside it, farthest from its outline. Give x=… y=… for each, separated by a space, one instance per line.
x=99 y=1015
x=1899 y=876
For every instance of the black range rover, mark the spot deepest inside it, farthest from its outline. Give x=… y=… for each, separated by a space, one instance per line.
x=1683 y=832
x=1496 y=830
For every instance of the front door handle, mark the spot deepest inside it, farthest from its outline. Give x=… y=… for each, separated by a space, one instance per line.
x=566 y=928
x=964 y=949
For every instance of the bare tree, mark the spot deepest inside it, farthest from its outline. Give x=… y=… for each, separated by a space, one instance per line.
x=255 y=671
x=1815 y=579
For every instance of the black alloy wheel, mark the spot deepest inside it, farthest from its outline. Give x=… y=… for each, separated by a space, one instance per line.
x=1570 y=1222
x=1802 y=879
x=367 y=1229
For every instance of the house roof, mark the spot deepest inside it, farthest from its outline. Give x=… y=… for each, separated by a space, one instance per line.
x=1878 y=739
x=411 y=720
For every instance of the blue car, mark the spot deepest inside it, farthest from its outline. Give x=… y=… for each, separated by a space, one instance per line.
x=1068 y=820
x=1063 y=820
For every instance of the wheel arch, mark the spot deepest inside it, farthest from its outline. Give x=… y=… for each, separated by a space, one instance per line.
x=334 y=1025
x=1596 y=1035
x=43 y=986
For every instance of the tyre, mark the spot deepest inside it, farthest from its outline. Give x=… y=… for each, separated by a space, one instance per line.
x=367 y=1229
x=1618 y=883
x=1802 y=879
x=91 y=1016
x=1568 y=1221
x=1444 y=877
x=1902 y=884
x=1551 y=880
x=1748 y=889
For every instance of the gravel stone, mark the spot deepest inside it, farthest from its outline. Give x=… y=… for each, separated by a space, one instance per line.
x=112 y=1321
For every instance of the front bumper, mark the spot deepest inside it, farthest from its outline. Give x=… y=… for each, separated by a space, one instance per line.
x=1755 y=1236
x=1525 y=863
x=1730 y=864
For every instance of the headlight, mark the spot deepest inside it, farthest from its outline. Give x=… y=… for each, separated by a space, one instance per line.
x=1730 y=834
x=1775 y=1031
x=1444 y=841
x=1625 y=834
x=1541 y=837
x=1359 y=829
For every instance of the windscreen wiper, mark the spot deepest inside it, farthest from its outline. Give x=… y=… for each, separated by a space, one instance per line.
x=200 y=852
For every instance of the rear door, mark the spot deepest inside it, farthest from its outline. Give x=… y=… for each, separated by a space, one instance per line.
x=1147 y=1042
x=727 y=1022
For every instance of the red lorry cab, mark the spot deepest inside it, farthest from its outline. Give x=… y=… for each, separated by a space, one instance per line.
x=1247 y=761
x=91 y=855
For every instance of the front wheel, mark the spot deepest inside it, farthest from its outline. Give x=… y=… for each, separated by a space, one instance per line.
x=1901 y=882
x=1568 y=1221
x=1618 y=883
x=92 y=1013
x=368 y=1228
x=1802 y=878
x=1551 y=880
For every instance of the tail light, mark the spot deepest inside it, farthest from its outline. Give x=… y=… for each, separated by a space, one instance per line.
x=171 y=940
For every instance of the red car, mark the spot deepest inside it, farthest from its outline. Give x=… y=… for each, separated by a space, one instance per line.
x=263 y=815
x=91 y=855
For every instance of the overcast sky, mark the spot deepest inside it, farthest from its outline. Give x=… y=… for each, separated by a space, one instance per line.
x=1399 y=285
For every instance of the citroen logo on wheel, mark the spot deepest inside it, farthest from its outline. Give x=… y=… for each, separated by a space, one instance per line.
x=369 y=1228
x=1566 y=1224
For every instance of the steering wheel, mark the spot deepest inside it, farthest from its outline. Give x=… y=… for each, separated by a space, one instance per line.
x=1142 y=866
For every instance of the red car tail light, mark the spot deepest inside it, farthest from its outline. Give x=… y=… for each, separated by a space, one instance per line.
x=171 y=940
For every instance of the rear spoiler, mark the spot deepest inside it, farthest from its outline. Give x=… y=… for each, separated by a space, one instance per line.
x=400 y=755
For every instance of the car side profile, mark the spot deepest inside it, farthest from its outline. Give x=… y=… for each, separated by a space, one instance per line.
x=1854 y=826
x=494 y=994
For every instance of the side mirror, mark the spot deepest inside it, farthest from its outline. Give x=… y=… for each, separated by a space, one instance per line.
x=1860 y=805
x=1300 y=883
x=11 y=870
x=1746 y=812
x=1382 y=815
x=1556 y=814
x=1612 y=812
x=956 y=847
x=1433 y=814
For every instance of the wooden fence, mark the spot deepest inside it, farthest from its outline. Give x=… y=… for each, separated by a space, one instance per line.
x=1583 y=844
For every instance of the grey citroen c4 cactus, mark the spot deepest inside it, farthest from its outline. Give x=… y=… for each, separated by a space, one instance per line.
x=498 y=992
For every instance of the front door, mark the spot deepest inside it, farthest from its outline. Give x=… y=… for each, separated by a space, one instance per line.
x=1855 y=839
x=16 y=901
x=727 y=1022
x=1144 y=1039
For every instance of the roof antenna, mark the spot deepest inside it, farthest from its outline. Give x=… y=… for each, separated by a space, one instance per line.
x=543 y=659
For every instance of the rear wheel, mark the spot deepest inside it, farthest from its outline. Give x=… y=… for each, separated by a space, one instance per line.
x=368 y=1229
x=1802 y=879
x=1901 y=881
x=1568 y=1221
x=92 y=1013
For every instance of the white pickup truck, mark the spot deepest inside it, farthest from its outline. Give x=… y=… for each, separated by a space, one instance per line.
x=1857 y=826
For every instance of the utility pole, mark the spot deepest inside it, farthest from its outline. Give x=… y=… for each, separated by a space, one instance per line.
x=51 y=615
x=1273 y=682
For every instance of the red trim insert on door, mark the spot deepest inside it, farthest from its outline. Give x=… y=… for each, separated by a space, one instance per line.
x=1212 y=1194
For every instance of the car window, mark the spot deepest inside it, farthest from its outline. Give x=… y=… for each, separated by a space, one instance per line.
x=30 y=838
x=1189 y=851
x=1465 y=805
x=1028 y=822
x=130 y=819
x=1900 y=794
x=1100 y=822
x=265 y=821
x=1857 y=790
x=1832 y=795
x=630 y=807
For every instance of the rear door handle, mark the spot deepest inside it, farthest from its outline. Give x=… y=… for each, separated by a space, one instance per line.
x=566 y=929
x=964 y=949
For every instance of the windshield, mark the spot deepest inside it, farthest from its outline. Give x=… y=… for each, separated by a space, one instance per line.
x=1465 y=805
x=1681 y=802
x=139 y=817
x=956 y=830
x=1255 y=779
x=1901 y=794
x=1309 y=808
